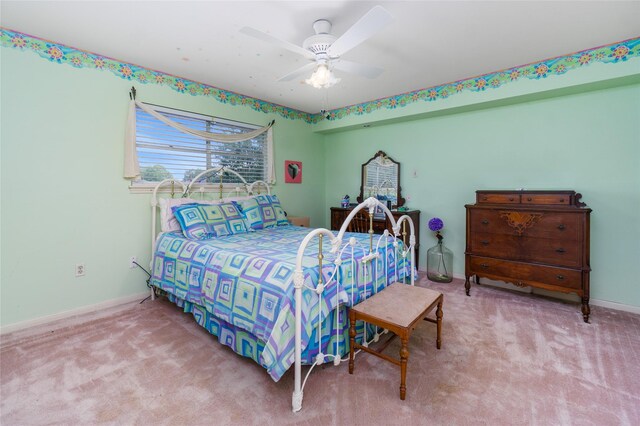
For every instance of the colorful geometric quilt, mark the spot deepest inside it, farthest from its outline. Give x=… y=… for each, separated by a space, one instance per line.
x=240 y=287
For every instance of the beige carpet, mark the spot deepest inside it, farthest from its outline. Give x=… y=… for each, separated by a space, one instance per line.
x=506 y=359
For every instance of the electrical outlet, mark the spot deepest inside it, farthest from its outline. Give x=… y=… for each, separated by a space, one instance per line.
x=132 y=262
x=80 y=270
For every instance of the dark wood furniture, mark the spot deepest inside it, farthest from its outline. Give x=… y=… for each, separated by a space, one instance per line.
x=299 y=220
x=361 y=223
x=398 y=308
x=530 y=238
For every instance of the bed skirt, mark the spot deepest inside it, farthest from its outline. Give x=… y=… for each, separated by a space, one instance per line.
x=248 y=345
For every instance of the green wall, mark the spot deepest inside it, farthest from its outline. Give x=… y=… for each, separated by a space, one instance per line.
x=63 y=197
x=64 y=200
x=588 y=142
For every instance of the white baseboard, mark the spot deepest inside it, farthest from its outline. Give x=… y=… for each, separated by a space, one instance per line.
x=564 y=296
x=615 y=305
x=55 y=321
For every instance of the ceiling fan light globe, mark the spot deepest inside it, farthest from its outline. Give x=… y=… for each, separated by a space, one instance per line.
x=322 y=78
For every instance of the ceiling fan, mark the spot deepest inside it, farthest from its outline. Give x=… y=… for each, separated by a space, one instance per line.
x=325 y=50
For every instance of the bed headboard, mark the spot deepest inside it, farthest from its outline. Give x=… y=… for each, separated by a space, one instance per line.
x=179 y=189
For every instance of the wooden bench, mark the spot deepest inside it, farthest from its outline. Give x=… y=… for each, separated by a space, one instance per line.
x=398 y=308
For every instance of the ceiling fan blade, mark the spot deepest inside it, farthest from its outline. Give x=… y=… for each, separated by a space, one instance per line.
x=356 y=68
x=299 y=72
x=274 y=40
x=372 y=22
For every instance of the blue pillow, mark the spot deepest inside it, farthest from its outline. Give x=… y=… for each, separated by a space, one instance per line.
x=281 y=218
x=204 y=221
x=258 y=212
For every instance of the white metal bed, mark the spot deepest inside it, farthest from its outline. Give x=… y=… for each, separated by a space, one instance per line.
x=341 y=243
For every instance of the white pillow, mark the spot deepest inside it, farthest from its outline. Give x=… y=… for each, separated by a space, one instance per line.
x=168 y=221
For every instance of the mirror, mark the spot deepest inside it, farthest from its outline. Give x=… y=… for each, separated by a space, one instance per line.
x=381 y=179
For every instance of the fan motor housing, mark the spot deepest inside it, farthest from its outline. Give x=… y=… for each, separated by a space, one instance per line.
x=321 y=40
x=319 y=43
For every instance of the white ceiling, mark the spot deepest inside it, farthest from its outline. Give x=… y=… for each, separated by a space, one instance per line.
x=428 y=43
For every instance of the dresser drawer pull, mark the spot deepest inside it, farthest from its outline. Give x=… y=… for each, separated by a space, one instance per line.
x=484 y=198
x=560 y=277
x=484 y=242
x=562 y=200
x=510 y=198
x=484 y=265
x=529 y=198
x=485 y=222
x=561 y=227
x=560 y=250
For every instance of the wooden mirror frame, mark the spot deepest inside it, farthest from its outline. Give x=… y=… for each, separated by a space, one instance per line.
x=400 y=200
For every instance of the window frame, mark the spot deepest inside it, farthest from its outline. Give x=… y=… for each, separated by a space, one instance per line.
x=141 y=187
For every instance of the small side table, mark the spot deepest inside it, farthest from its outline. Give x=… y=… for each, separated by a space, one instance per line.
x=299 y=220
x=398 y=308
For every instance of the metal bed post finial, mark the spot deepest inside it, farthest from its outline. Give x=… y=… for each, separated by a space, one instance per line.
x=370 y=232
x=320 y=257
x=404 y=240
x=404 y=232
x=221 y=176
x=173 y=183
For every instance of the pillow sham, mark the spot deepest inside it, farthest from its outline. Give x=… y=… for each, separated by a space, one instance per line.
x=205 y=221
x=263 y=212
x=258 y=212
x=281 y=217
x=168 y=221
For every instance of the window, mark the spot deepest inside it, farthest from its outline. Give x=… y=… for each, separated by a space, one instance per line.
x=165 y=152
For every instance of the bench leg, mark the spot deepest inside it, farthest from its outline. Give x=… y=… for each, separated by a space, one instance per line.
x=404 y=357
x=439 y=324
x=352 y=339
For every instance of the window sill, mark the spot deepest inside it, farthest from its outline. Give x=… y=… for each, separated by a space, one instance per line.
x=227 y=188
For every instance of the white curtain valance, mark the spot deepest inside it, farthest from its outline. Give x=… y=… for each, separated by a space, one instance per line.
x=132 y=167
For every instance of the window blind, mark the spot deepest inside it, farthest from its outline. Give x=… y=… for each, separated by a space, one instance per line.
x=167 y=153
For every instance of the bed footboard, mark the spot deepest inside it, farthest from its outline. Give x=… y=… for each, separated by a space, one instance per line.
x=338 y=284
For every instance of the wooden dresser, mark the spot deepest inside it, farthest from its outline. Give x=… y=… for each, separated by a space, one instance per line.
x=339 y=214
x=530 y=238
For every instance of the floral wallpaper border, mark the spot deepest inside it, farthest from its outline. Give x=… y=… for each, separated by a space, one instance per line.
x=613 y=53
x=54 y=52
x=62 y=54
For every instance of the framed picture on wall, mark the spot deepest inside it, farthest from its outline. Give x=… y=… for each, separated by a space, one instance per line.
x=292 y=171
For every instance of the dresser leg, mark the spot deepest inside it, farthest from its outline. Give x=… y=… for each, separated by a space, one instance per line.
x=476 y=278
x=467 y=285
x=586 y=310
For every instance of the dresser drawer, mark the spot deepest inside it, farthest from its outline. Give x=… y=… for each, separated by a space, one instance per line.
x=546 y=199
x=495 y=245
x=497 y=198
x=525 y=273
x=488 y=221
x=537 y=224
x=551 y=251
x=539 y=250
x=560 y=226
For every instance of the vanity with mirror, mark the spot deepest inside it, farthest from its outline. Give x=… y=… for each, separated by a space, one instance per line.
x=380 y=179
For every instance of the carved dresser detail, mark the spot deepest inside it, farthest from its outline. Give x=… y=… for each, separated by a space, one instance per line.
x=530 y=238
